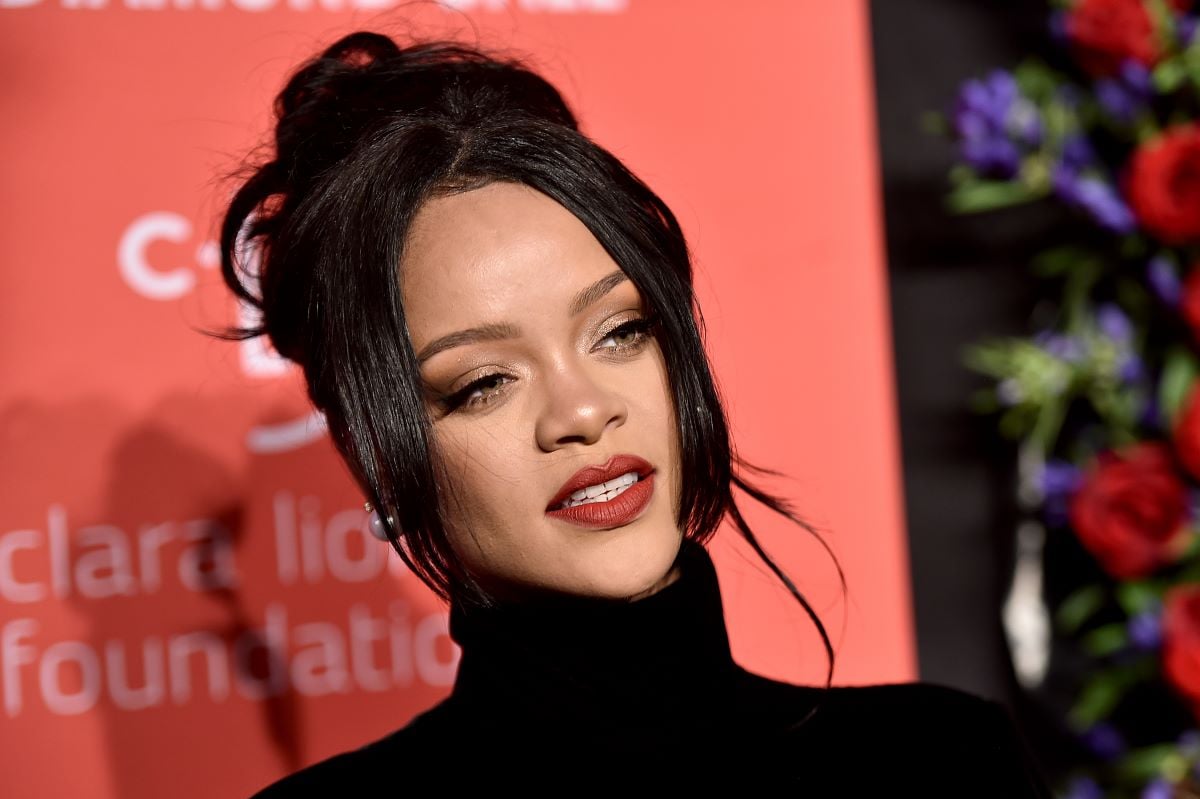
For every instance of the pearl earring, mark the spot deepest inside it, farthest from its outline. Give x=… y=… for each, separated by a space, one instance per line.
x=377 y=528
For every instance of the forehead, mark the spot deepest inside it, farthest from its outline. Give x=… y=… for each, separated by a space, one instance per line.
x=489 y=253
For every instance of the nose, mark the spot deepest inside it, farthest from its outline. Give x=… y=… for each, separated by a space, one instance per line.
x=579 y=408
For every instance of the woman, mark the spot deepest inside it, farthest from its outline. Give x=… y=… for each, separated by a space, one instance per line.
x=497 y=319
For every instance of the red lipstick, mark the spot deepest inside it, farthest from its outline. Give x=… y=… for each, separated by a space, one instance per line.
x=619 y=510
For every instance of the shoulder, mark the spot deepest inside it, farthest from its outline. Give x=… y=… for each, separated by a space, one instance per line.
x=881 y=706
x=881 y=703
x=403 y=757
x=934 y=738
x=934 y=704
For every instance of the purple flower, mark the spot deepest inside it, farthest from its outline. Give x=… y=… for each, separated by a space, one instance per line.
x=1117 y=100
x=994 y=122
x=983 y=104
x=1158 y=789
x=1104 y=204
x=1145 y=629
x=1104 y=740
x=1095 y=196
x=1083 y=788
x=1123 y=97
x=1131 y=369
x=998 y=157
x=1077 y=152
x=1164 y=279
x=1150 y=413
x=1136 y=78
x=1185 y=27
x=1068 y=95
x=1064 y=180
x=1061 y=346
x=1059 y=478
x=1114 y=324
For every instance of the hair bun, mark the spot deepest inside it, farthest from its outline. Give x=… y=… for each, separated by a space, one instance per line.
x=364 y=80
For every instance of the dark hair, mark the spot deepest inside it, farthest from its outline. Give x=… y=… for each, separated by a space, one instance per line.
x=366 y=132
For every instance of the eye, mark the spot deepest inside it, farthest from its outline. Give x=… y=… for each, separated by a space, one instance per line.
x=633 y=335
x=475 y=394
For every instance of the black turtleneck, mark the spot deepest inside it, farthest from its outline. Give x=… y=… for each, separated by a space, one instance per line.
x=585 y=695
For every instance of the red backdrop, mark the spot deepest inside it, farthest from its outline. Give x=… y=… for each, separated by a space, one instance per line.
x=189 y=605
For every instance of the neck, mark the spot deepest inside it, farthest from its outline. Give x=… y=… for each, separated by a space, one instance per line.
x=601 y=665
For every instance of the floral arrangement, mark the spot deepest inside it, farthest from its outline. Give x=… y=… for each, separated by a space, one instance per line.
x=1103 y=396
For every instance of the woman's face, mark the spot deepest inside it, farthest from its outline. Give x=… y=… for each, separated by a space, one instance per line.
x=568 y=378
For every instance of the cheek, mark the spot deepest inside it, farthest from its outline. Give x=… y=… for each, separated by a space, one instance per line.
x=658 y=404
x=479 y=481
x=659 y=411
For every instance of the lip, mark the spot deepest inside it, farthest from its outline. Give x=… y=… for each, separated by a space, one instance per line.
x=622 y=509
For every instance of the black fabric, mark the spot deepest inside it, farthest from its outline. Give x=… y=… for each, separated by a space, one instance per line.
x=587 y=696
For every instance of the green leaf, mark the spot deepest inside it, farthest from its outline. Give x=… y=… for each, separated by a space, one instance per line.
x=1059 y=260
x=1132 y=296
x=993 y=357
x=1099 y=697
x=1143 y=765
x=1138 y=597
x=1191 y=574
x=1191 y=63
x=1145 y=126
x=1194 y=76
x=1105 y=640
x=1190 y=551
x=1080 y=606
x=1036 y=80
x=1077 y=293
x=1164 y=21
x=961 y=173
x=1134 y=246
x=1049 y=422
x=1015 y=424
x=1168 y=75
x=1179 y=374
x=1104 y=691
x=989 y=195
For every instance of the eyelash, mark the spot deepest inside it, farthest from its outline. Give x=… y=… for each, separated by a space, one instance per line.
x=452 y=402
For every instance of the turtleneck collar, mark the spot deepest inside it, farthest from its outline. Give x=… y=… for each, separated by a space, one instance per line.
x=659 y=666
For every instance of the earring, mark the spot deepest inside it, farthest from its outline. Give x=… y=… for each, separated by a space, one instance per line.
x=377 y=528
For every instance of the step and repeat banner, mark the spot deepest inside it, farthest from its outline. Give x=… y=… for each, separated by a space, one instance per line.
x=190 y=602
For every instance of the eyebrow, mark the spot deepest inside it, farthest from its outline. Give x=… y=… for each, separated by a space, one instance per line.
x=597 y=290
x=497 y=331
x=489 y=332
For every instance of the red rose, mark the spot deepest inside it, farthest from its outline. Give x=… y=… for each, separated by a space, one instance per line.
x=1187 y=433
x=1131 y=509
x=1181 y=641
x=1163 y=185
x=1104 y=33
x=1189 y=301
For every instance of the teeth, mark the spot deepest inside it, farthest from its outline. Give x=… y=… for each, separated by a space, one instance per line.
x=602 y=492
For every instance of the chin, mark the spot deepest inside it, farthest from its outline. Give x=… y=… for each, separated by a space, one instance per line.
x=621 y=570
